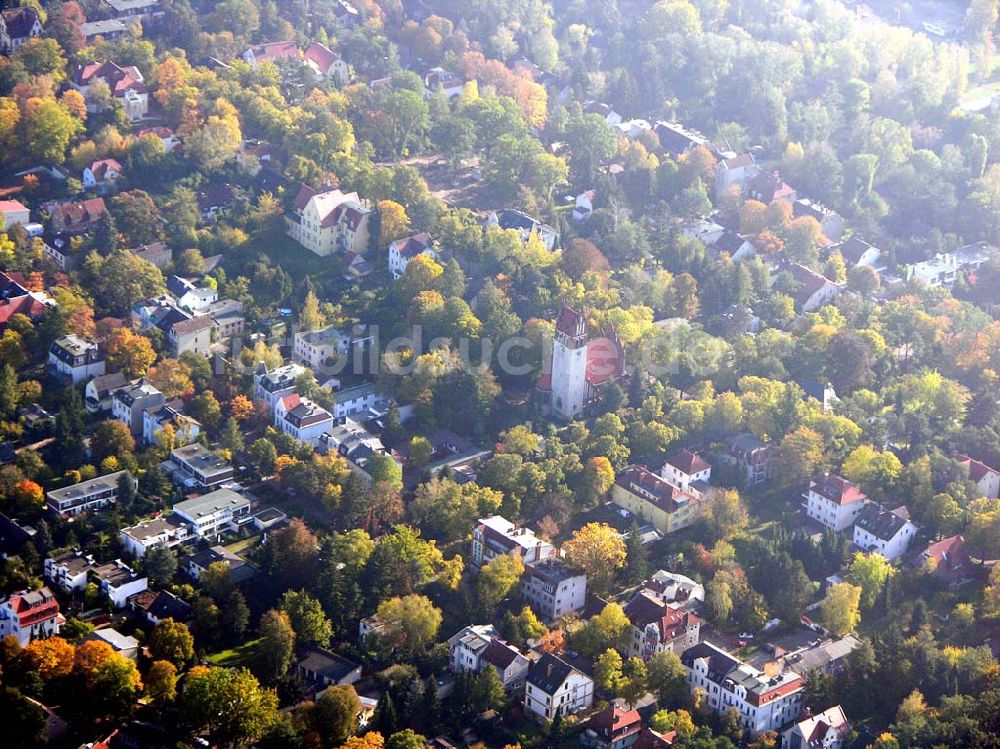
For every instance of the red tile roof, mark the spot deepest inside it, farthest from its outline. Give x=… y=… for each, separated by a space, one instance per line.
x=977 y=471
x=688 y=462
x=291 y=401
x=652 y=488
x=951 y=557
x=11 y=205
x=101 y=168
x=275 y=51
x=321 y=55
x=614 y=723
x=572 y=323
x=605 y=359
x=837 y=489
x=36 y=606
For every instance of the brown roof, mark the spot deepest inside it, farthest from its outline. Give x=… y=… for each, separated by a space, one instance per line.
x=837 y=489
x=688 y=462
x=951 y=556
x=977 y=471
x=81 y=212
x=654 y=489
x=185 y=327
x=410 y=247
x=321 y=55
x=499 y=654
x=571 y=322
x=615 y=723
x=19 y=21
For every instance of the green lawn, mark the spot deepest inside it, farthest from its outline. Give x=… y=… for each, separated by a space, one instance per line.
x=297 y=261
x=233 y=657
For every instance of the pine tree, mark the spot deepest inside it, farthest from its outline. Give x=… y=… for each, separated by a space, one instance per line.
x=431 y=707
x=106 y=234
x=638 y=561
x=9 y=395
x=385 y=720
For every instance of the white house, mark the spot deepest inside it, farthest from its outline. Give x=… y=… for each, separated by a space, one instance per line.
x=186 y=429
x=270 y=385
x=30 y=615
x=68 y=571
x=687 y=471
x=77 y=358
x=99 y=391
x=986 y=478
x=826 y=730
x=734 y=171
x=359 y=447
x=439 y=79
x=102 y=174
x=86 y=495
x=672 y=587
x=130 y=401
x=495 y=536
x=605 y=111
x=402 y=251
x=357 y=400
x=126 y=84
x=763 y=702
x=302 y=418
x=194 y=467
x=833 y=501
x=138 y=539
x=327 y=63
x=17 y=26
x=659 y=627
x=556 y=688
x=886 y=532
x=212 y=514
x=189 y=295
x=327 y=221
x=14 y=213
x=320 y=350
x=553 y=589
x=468 y=644
x=831 y=222
x=524 y=225
x=118 y=582
x=813 y=290
x=857 y=251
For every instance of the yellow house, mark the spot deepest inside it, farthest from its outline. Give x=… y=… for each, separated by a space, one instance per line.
x=649 y=497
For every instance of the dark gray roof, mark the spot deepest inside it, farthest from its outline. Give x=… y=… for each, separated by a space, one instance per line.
x=328 y=665
x=880 y=522
x=548 y=673
x=720 y=663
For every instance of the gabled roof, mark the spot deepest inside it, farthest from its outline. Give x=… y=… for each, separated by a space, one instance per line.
x=605 y=358
x=549 y=673
x=81 y=211
x=882 y=523
x=950 y=556
x=837 y=489
x=500 y=654
x=615 y=722
x=720 y=663
x=688 y=462
x=641 y=482
x=20 y=21
x=854 y=248
x=814 y=729
x=977 y=471
x=274 y=51
x=410 y=247
x=101 y=168
x=321 y=56
x=186 y=327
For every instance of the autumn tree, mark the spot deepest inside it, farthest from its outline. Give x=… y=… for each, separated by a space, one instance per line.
x=171 y=641
x=161 y=682
x=409 y=624
x=131 y=353
x=800 y=456
x=840 y=608
x=277 y=643
x=334 y=716
x=307 y=618
x=51 y=658
x=869 y=572
x=229 y=704
x=393 y=223
x=599 y=551
x=111 y=439
x=497 y=579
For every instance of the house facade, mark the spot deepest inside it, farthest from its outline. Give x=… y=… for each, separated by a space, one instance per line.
x=17 y=26
x=659 y=627
x=649 y=497
x=102 y=175
x=87 y=495
x=752 y=456
x=302 y=418
x=30 y=615
x=495 y=536
x=128 y=403
x=194 y=466
x=212 y=514
x=329 y=221
x=402 y=251
x=271 y=385
x=613 y=727
x=76 y=358
x=126 y=84
x=99 y=391
x=687 y=471
x=883 y=531
x=186 y=429
x=834 y=501
x=553 y=589
x=762 y=702
x=556 y=688
x=985 y=477
x=826 y=730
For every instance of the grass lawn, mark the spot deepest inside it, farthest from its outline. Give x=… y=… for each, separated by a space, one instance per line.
x=233 y=657
x=238 y=547
x=297 y=261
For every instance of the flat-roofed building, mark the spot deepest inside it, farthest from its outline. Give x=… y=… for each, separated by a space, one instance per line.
x=141 y=537
x=553 y=588
x=195 y=466
x=87 y=495
x=496 y=535
x=214 y=513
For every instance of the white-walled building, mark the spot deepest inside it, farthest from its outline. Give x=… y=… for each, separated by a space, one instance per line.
x=186 y=429
x=886 y=532
x=141 y=537
x=496 y=535
x=128 y=403
x=68 y=571
x=320 y=349
x=834 y=501
x=30 y=615
x=826 y=730
x=402 y=251
x=986 y=478
x=118 y=582
x=467 y=645
x=302 y=418
x=270 y=385
x=327 y=221
x=358 y=400
x=194 y=466
x=556 y=688
x=687 y=471
x=77 y=358
x=212 y=514
x=553 y=589
x=659 y=627
x=86 y=495
x=763 y=703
